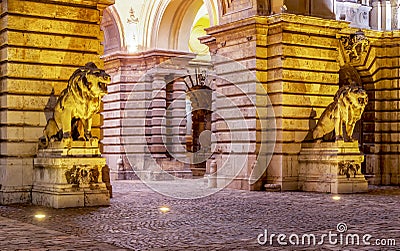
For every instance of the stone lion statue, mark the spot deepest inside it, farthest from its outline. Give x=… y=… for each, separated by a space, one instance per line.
x=348 y=105
x=76 y=105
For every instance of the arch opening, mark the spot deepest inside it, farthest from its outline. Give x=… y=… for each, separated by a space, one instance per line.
x=113 y=33
x=182 y=23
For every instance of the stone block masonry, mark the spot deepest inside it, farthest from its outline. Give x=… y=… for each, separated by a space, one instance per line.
x=297 y=59
x=297 y=64
x=380 y=75
x=128 y=118
x=42 y=43
x=294 y=58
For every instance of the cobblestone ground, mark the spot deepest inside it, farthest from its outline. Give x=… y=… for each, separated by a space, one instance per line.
x=226 y=220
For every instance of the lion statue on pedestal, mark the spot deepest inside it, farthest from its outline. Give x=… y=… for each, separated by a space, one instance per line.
x=348 y=105
x=76 y=105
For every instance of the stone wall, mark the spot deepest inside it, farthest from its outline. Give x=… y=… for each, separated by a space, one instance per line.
x=42 y=43
x=299 y=68
x=127 y=72
x=296 y=60
x=381 y=125
x=239 y=138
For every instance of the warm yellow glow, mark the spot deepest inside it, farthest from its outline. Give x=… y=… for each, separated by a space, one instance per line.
x=164 y=209
x=336 y=197
x=198 y=30
x=40 y=216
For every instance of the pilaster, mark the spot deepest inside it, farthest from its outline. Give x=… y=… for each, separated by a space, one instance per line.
x=176 y=119
x=158 y=109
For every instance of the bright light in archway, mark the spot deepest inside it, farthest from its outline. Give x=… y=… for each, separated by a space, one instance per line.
x=201 y=22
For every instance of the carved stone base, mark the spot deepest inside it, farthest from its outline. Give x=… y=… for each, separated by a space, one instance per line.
x=331 y=167
x=69 y=176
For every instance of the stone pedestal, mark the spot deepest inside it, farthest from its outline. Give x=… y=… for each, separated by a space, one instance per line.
x=69 y=176
x=331 y=167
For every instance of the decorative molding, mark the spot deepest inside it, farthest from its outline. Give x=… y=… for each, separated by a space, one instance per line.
x=132 y=19
x=198 y=79
x=354 y=46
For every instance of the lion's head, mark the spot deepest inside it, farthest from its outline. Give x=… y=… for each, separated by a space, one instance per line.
x=357 y=96
x=89 y=81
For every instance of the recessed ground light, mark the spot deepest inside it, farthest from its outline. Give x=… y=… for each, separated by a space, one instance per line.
x=40 y=216
x=164 y=209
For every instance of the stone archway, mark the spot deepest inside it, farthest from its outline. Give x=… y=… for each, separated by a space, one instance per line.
x=199 y=119
x=113 y=32
x=165 y=28
x=171 y=22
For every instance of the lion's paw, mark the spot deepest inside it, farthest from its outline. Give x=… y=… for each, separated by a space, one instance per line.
x=66 y=141
x=339 y=138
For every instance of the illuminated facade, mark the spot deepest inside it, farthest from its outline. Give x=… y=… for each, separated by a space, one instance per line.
x=295 y=51
x=298 y=58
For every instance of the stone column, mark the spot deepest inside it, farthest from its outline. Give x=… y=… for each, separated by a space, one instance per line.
x=175 y=134
x=43 y=42
x=234 y=119
x=158 y=112
x=386 y=16
x=395 y=14
x=176 y=116
x=376 y=15
x=166 y=131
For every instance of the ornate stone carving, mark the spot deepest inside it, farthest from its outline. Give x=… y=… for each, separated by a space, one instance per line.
x=355 y=45
x=348 y=105
x=72 y=117
x=333 y=167
x=132 y=19
x=349 y=168
x=82 y=175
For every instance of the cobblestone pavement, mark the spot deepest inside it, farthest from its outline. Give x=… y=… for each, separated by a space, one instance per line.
x=227 y=220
